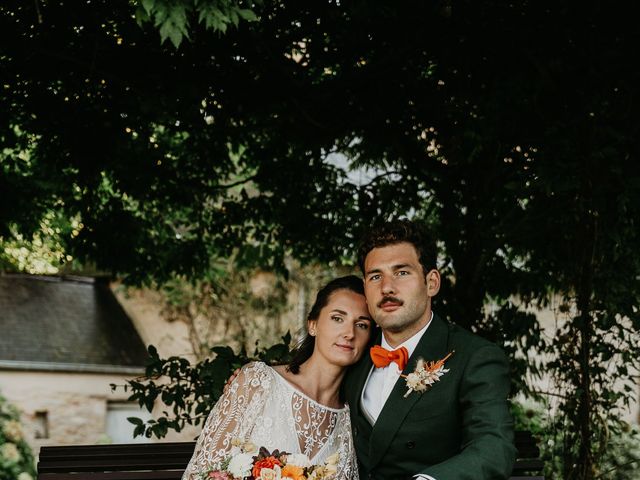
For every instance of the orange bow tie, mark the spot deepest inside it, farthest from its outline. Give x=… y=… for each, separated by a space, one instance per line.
x=382 y=357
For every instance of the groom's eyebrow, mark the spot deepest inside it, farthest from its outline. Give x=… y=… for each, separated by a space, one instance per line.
x=397 y=266
x=402 y=265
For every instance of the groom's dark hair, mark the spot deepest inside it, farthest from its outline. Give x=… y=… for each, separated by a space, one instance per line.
x=399 y=231
x=305 y=348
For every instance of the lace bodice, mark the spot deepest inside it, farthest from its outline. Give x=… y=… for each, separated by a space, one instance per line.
x=262 y=407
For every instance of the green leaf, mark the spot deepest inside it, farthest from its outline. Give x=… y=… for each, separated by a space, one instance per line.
x=142 y=16
x=233 y=16
x=248 y=15
x=148 y=6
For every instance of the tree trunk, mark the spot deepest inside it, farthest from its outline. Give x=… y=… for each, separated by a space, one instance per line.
x=584 y=468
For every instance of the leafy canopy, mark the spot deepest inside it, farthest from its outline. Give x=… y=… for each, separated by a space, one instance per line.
x=508 y=128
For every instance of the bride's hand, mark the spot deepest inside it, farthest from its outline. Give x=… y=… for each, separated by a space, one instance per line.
x=231 y=379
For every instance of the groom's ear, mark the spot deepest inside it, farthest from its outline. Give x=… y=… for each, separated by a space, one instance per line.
x=432 y=280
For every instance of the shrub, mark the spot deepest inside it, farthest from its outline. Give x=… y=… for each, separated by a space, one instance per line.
x=16 y=458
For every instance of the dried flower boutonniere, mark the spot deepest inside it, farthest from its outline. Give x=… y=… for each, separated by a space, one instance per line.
x=425 y=375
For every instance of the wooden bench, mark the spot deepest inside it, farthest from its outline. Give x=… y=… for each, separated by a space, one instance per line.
x=167 y=461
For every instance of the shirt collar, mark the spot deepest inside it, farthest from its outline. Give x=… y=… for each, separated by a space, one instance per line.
x=411 y=343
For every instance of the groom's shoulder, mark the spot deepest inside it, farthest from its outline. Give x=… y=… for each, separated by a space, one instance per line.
x=462 y=337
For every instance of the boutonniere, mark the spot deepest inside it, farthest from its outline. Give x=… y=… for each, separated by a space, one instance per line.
x=425 y=375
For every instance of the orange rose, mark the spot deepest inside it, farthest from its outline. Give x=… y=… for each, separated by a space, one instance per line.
x=268 y=462
x=294 y=472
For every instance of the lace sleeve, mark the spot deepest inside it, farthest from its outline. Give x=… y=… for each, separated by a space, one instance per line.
x=232 y=417
x=348 y=464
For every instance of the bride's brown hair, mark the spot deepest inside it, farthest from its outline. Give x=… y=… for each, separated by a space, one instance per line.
x=305 y=348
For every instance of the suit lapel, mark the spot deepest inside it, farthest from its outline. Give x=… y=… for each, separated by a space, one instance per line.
x=432 y=346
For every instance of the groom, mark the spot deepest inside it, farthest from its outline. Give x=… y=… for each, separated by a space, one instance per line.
x=460 y=427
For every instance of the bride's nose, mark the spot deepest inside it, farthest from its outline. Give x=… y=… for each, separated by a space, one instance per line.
x=348 y=332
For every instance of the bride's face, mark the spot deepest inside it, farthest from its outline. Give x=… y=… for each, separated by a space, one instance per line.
x=342 y=329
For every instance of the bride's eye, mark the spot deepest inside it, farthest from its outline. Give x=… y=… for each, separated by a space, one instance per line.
x=336 y=318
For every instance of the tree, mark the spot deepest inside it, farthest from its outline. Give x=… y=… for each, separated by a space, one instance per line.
x=173 y=18
x=507 y=128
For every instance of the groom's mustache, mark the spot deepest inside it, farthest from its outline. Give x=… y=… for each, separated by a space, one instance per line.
x=389 y=299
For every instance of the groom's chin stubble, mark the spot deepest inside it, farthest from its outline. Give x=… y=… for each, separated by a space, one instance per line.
x=392 y=326
x=397 y=325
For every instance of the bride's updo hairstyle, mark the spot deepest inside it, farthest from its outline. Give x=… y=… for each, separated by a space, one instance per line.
x=305 y=348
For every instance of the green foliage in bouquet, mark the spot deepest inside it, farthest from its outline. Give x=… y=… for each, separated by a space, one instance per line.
x=16 y=458
x=189 y=391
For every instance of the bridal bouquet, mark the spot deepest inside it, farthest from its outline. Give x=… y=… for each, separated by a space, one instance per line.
x=246 y=462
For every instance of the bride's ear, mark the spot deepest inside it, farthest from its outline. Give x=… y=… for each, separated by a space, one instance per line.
x=311 y=327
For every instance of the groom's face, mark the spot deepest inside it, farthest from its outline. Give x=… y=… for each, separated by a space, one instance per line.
x=397 y=289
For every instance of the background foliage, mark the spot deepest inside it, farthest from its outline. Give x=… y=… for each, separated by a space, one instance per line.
x=509 y=129
x=191 y=390
x=239 y=306
x=16 y=458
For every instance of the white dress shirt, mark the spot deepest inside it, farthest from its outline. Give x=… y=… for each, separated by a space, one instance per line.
x=381 y=381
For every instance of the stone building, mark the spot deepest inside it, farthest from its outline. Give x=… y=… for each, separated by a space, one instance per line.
x=63 y=341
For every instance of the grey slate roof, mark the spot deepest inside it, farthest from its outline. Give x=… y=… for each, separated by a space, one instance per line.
x=65 y=323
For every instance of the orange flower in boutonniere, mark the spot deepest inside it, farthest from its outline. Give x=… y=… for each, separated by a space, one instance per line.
x=425 y=375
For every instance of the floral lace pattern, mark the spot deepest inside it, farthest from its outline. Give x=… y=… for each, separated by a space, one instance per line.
x=260 y=406
x=313 y=424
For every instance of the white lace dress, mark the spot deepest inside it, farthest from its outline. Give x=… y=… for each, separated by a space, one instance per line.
x=261 y=407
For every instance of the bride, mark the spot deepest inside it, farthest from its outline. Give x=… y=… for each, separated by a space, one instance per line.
x=296 y=408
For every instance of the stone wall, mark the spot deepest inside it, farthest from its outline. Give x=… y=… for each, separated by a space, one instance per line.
x=76 y=405
x=144 y=308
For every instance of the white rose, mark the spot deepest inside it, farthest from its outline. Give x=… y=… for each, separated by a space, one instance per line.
x=25 y=476
x=249 y=447
x=10 y=452
x=240 y=465
x=274 y=473
x=331 y=469
x=333 y=459
x=299 y=460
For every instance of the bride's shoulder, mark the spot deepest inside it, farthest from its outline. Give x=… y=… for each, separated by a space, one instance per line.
x=255 y=374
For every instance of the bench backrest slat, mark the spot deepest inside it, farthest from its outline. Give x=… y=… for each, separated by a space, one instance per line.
x=167 y=461
x=160 y=448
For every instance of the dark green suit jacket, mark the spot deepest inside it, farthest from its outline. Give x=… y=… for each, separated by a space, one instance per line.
x=460 y=429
